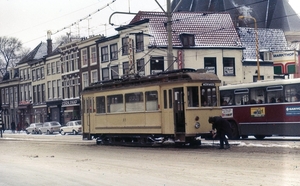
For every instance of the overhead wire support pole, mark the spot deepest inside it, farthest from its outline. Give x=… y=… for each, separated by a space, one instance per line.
x=169 y=32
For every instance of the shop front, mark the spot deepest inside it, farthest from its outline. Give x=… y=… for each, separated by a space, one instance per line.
x=71 y=109
x=25 y=115
x=55 y=111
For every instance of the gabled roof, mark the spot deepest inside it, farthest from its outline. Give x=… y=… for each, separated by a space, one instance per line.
x=38 y=53
x=209 y=29
x=277 y=14
x=268 y=39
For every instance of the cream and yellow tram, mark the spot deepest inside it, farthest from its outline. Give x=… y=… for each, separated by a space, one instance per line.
x=171 y=107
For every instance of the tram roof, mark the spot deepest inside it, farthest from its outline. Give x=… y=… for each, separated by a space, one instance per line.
x=164 y=77
x=265 y=83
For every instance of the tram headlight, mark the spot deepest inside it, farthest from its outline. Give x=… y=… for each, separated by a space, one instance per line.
x=197 y=125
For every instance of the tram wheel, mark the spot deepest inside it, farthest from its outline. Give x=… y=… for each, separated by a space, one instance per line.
x=235 y=131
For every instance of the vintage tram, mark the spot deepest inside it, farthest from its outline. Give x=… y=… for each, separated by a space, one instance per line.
x=169 y=107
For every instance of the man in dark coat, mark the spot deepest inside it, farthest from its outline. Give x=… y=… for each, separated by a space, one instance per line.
x=223 y=128
x=13 y=126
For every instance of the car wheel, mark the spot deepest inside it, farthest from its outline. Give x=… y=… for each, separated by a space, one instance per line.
x=48 y=132
x=62 y=132
x=40 y=132
x=74 y=132
x=27 y=132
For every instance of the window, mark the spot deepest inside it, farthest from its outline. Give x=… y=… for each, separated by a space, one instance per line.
x=21 y=74
x=33 y=75
x=42 y=73
x=208 y=96
x=134 y=102
x=141 y=67
x=241 y=96
x=275 y=94
x=38 y=76
x=49 y=89
x=151 y=100
x=113 y=52
x=43 y=93
x=170 y=99
x=105 y=74
x=58 y=88
x=125 y=46
x=34 y=95
x=94 y=76
x=84 y=57
x=100 y=104
x=228 y=67
x=165 y=99
x=93 y=55
x=39 y=92
x=58 y=66
x=115 y=103
x=139 y=42
x=193 y=97
x=104 y=54
x=210 y=65
x=48 y=69
x=156 y=65
x=114 y=72
x=125 y=68
x=85 y=80
x=257 y=95
x=292 y=93
x=76 y=86
x=187 y=40
x=54 y=89
x=53 y=68
x=227 y=98
x=28 y=73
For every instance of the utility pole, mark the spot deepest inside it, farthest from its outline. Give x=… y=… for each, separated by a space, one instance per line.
x=169 y=32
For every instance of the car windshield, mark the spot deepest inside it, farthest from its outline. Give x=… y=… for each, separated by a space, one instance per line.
x=77 y=122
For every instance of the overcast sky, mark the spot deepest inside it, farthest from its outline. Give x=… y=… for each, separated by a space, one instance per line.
x=29 y=20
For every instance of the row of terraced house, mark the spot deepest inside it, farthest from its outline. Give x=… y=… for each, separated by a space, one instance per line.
x=46 y=84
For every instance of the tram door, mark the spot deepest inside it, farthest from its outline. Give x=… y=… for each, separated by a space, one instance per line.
x=179 y=116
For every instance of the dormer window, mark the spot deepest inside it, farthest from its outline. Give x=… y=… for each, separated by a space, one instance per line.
x=187 y=40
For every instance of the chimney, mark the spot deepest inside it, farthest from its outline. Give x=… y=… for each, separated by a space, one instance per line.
x=49 y=42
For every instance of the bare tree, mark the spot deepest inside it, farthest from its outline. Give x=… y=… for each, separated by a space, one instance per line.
x=11 y=52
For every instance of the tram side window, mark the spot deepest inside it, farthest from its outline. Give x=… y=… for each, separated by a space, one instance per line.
x=257 y=96
x=134 y=102
x=241 y=96
x=170 y=99
x=226 y=97
x=165 y=100
x=275 y=94
x=208 y=96
x=115 y=103
x=151 y=100
x=193 y=96
x=100 y=104
x=292 y=93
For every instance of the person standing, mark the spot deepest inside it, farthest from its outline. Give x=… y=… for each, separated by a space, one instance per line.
x=223 y=127
x=13 y=126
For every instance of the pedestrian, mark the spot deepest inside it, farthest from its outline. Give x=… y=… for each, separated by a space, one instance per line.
x=13 y=126
x=19 y=127
x=223 y=128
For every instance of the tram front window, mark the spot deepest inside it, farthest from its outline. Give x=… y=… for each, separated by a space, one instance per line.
x=193 y=96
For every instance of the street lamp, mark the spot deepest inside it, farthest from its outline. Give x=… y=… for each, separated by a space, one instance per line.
x=256 y=43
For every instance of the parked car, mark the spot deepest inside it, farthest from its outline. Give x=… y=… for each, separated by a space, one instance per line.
x=50 y=127
x=73 y=127
x=33 y=128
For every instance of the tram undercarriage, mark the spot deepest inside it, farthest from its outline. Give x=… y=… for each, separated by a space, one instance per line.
x=145 y=140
